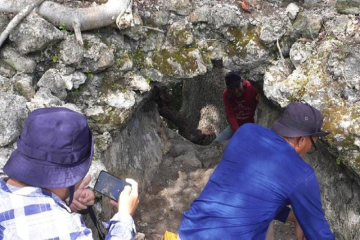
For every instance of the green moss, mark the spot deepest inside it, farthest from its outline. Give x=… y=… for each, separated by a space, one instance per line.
x=87 y=44
x=180 y=56
x=112 y=85
x=180 y=37
x=240 y=39
x=138 y=58
x=122 y=59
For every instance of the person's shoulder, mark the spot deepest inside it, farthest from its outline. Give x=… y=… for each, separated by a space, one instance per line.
x=253 y=127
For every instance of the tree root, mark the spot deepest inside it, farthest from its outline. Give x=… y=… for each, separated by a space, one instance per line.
x=17 y=19
x=73 y=19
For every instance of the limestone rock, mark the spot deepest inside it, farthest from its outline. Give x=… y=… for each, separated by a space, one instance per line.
x=103 y=141
x=226 y=16
x=121 y=100
x=52 y=79
x=23 y=84
x=338 y=26
x=189 y=159
x=137 y=31
x=35 y=34
x=181 y=63
x=181 y=7
x=97 y=55
x=136 y=151
x=13 y=113
x=6 y=70
x=292 y=10
x=19 y=62
x=74 y=80
x=179 y=34
x=301 y=52
x=308 y=25
x=201 y=14
x=285 y=90
x=71 y=53
x=272 y=30
x=348 y=6
x=43 y=97
x=6 y=85
x=253 y=57
x=153 y=42
x=139 y=83
x=161 y=18
x=152 y=74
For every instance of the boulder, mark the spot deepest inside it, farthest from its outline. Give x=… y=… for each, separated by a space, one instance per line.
x=35 y=34
x=308 y=25
x=180 y=63
x=180 y=35
x=17 y=61
x=13 y=113
x=23 y=84
x=161 y=18
x=74 y=80
x=300 y=52
x=97 y=56
x=6 y=70
x=273 y=29
x=348 y=6
x=53 y=80
x=6 y=85
x=43 y=97
x=71 y=53
x=181 y=7
x=292 y=10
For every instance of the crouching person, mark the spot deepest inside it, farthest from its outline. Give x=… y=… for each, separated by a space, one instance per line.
x=53 y=155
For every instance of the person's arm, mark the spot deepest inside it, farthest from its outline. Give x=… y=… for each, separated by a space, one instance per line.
x=306 y=204
x=121 y=226
x=230 y=113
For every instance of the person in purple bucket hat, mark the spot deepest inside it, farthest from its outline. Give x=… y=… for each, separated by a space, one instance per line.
x=46 y=182
x=260 y=175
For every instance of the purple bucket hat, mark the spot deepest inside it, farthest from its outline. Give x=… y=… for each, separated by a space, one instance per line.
x=298 y=120
x=54 y=150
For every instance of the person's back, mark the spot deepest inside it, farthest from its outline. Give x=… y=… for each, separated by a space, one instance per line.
x=255 y=180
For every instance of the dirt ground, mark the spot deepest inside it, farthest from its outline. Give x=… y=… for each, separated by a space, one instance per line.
x=176 y=184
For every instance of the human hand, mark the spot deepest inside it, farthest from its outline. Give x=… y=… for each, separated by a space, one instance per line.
x=83 y=197
x=299 y=232
x=128 y=199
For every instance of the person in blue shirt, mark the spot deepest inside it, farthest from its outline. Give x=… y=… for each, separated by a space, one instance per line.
x=261 y=173
x=53 y=155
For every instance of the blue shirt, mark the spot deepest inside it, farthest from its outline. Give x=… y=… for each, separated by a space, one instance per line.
x=34 y=213
x=258 y=176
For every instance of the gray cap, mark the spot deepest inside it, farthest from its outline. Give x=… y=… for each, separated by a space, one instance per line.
x=300 y=119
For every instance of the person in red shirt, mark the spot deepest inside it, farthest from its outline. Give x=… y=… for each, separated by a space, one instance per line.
x=240 y=99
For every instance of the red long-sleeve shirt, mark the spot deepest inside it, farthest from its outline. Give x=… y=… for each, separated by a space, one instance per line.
x=242 y=109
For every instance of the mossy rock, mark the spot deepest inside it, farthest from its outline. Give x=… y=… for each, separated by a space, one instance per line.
x=183 y=62
x=239 y=39
x=348 y=7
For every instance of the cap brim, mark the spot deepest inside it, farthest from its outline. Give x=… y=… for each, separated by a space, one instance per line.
x=287 y=131
x=35 y=173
